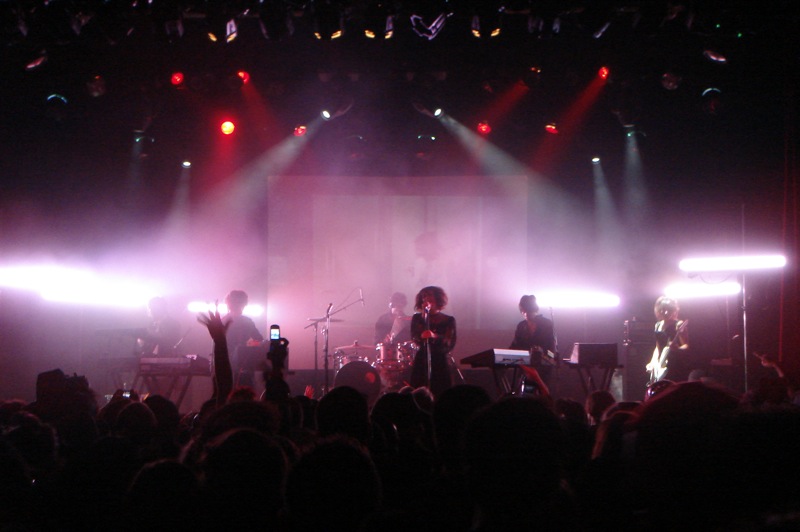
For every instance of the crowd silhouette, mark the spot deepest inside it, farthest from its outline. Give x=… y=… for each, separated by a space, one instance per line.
x=689 y=455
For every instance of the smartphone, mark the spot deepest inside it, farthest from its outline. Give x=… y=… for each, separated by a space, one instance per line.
x=274 y=332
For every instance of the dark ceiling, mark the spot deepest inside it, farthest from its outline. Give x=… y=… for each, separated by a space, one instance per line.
x=76 y=148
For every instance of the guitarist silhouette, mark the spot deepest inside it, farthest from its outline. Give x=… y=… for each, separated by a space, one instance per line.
x=671 y=335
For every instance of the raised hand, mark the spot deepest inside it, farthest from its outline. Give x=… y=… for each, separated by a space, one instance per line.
x=213 y=322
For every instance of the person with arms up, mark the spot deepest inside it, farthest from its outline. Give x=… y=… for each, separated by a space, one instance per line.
x=435 y=333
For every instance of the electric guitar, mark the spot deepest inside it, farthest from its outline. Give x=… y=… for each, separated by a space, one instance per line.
x=658 y=364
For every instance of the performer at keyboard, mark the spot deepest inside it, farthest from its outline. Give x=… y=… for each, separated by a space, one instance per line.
x=241 y=332
x=671 y=355
x=392 y=327
x=435 y=333
x=535 y=334
x=163 y=333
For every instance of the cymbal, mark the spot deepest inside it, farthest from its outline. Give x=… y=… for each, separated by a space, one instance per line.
x=356 y=345
x=323 y=318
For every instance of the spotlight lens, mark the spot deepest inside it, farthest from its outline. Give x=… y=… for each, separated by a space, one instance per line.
x=484 y=128
x=551 y=128
x=227 y=127
x=437 y=112
x=245 y=76
x=176 y=79
x=299 y=131
x=595 y=160
x=603 y=72
x=326 y=114
x=186 y=164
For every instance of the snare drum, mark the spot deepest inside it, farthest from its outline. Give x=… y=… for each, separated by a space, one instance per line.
x=386 y=352
x=341 y=359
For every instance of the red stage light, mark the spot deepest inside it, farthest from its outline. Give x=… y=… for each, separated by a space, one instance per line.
x=245 y=76
x=227 y=127
x=551 y=128
x=484 y=128
x=299 y=131
x=603 y=73
x=177 y=79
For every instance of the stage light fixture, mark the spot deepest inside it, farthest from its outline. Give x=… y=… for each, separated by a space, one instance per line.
x=335 y=111
x=670 y=81
x=486 y=19
x=428 y=17
x=244 y=76
x=484 y=128
x=227 y=127
x=37 y=62
x=595 y=160
x=300 y=131
x=551 y=128
x=714 y=56
x=186 y=164
x=434 y=111
x=379 y=18
x=177 y=79
x=604 y=72
x=275 y=20
x=221 y=23
x=712 y=100
x=328 y=20
x=96 y=86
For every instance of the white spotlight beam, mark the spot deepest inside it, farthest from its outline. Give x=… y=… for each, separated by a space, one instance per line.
x=253 y=310
x=78 y=286
x=733 y=264
x=576 y=299
x=702 y=290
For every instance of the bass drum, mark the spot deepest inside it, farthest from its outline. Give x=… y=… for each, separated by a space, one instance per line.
x=361 y=376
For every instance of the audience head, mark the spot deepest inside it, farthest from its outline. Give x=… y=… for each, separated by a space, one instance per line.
x=334 y=486
x=344 y=410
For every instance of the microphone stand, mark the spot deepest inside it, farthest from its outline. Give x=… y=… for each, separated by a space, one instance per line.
x=428 y=344
x=325 y=344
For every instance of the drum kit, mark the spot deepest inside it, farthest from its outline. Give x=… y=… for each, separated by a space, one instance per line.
x=373 y=369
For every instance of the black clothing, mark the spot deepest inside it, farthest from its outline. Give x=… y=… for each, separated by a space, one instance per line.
x=678 y=362
x=526 y=338
x=161 y=338
x=444 y=327
x=239 y=332
x=384 y=325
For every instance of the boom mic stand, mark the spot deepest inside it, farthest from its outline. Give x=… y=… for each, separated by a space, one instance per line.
x=325 y=334
x=428 y=343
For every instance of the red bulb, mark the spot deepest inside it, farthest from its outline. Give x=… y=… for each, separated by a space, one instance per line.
x=227 y=127
x=245 y=76
x=299 y=131
x=176 y=79
x=551 y=128
x=484 y=128
x=603 y=73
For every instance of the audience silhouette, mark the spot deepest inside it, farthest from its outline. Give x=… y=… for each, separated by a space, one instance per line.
x=689 y=455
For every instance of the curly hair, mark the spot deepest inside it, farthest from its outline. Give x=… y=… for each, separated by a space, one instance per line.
x=438 y=295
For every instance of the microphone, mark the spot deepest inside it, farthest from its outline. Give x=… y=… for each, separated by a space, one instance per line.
x=330 y=306
x=361 y=296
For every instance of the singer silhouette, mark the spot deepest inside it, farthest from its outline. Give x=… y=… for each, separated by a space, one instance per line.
x=435 y=334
